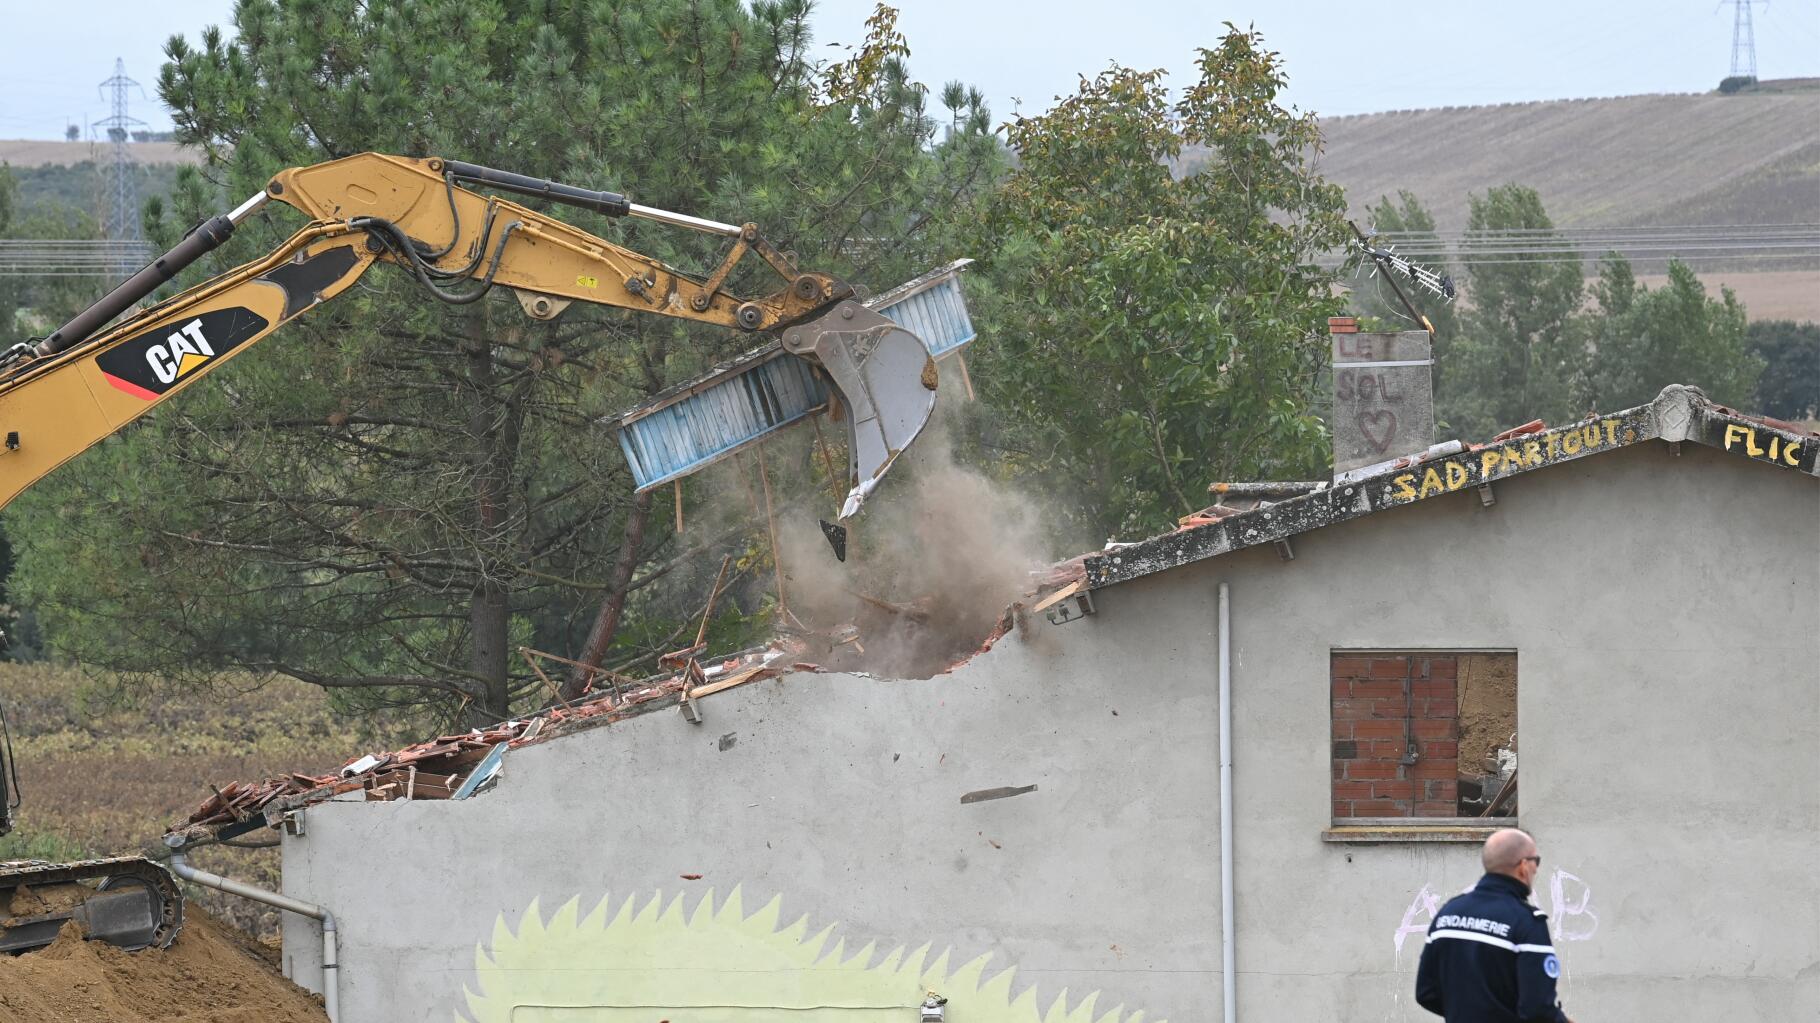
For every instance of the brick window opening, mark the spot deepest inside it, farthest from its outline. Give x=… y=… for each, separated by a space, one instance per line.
x=1424 y=734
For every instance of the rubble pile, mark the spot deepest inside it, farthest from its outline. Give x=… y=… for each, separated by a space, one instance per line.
x=211 y=974
x=455 y=766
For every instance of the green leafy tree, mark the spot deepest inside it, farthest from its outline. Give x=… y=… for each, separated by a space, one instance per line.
x=391 y=495
x=1152 y=333
x=1790 y=385
x=1641 y=340
x=1517 y=355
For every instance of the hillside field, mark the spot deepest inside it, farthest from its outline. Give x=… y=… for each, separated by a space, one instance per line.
x=103 y=772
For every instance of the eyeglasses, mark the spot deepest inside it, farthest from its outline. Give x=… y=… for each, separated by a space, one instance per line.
x=1536 y=859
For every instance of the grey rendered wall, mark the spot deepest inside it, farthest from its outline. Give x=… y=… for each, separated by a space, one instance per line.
x=1664 y=611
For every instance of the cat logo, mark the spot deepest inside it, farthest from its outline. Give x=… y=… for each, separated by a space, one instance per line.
x=182 y=352
x=149 y=364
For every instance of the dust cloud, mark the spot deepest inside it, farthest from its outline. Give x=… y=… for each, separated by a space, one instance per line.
x=932 y=563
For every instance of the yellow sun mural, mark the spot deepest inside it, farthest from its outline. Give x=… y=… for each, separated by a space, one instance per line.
x=659 y=962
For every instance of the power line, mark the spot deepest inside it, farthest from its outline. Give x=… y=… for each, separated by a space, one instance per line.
x=1744 y=38
x=123 y=212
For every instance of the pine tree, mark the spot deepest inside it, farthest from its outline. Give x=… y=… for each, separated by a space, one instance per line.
x=391 y=495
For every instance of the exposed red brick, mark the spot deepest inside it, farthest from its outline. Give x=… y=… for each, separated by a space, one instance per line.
x=1379 y=808
x=1442 y=689
x=1440 y=749
x=1357 y=789
x=1342 y=809
x=1377 y=688
x=1434 y=729
x=1340 y=689
x=1369 y=770
x=1377 y=729
x=1389 y=667
x=1437 y=809
x=1438 y=768
x=1438 y=709
x=1443 y=668
x=1350 y=710
x=1398 y=790
x=1343 y=729
x=1350 y=667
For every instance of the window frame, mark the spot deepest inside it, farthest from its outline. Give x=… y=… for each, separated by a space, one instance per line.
x=1413 y=828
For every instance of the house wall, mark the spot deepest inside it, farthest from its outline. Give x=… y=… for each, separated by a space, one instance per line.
x=1663 y=609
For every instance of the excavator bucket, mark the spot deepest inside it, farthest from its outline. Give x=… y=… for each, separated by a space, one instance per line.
x=886 y=379
x=879 y=355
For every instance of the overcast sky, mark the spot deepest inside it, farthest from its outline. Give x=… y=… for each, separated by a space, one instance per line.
x=1342 y=57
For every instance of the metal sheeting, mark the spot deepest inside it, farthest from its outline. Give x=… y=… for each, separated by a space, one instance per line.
x=699 y=428
x=690 y=427
x=933 y=308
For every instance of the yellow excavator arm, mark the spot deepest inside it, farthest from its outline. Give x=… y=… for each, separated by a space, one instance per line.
x=64 y=393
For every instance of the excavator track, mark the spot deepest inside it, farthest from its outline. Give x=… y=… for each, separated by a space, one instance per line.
x=131 y=902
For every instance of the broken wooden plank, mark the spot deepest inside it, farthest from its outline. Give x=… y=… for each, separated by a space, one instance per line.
x=737 y=678
x=1059 y=595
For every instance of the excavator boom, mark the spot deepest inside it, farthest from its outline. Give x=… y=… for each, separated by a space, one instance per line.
x=64 y=393
x=439 y=221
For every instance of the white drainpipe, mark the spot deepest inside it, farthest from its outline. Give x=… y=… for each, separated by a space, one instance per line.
x=330 y=968
x=1228 y=976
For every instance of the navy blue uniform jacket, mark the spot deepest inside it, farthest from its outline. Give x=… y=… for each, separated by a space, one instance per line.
x=1489 y=958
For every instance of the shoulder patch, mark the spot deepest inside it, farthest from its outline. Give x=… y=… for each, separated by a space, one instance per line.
x=1551 y=966
x=1540 y=913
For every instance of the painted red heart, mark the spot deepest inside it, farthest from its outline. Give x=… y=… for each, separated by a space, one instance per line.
x=1383 y=419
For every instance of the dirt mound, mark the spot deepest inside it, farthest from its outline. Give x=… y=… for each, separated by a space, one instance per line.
x=212 y=974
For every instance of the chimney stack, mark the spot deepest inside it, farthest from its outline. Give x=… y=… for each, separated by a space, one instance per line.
x=1383 y=397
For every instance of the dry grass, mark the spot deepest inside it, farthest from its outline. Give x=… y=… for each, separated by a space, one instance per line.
x=105 y=772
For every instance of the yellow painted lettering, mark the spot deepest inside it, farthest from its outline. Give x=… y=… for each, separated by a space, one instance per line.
x=1750 y=443
x=1590 y=435
x=1611 y=431
x=1487 y=459
x=1514 y=456
x=1773 y=439
x=1733 y=432
x=1791 y=453
x=1431 y=480
x=1554 y=445
x=1405 y=485
x=1456 y=475
x=1534 y=450
x=1570 y=442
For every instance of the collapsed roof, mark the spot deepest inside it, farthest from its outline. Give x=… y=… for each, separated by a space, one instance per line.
x=1244 y=515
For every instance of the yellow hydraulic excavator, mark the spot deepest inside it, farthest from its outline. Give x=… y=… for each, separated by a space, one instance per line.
x=443 y=222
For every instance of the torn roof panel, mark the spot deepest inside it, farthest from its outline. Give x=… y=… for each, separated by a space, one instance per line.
x=1678 y=414
x=690 y=426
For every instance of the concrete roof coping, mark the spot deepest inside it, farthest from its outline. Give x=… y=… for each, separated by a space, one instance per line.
x=1679 y=413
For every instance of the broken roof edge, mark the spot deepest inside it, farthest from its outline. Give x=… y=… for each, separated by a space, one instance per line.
x=1678 y=413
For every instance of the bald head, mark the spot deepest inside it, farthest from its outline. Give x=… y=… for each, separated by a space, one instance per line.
x=1506 y=850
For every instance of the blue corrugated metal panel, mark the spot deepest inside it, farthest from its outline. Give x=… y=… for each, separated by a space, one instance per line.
x=678 y=439
x=933 y=308
x=688 y=427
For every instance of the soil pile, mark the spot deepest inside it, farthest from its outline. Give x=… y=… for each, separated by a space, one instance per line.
x=211 y=974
